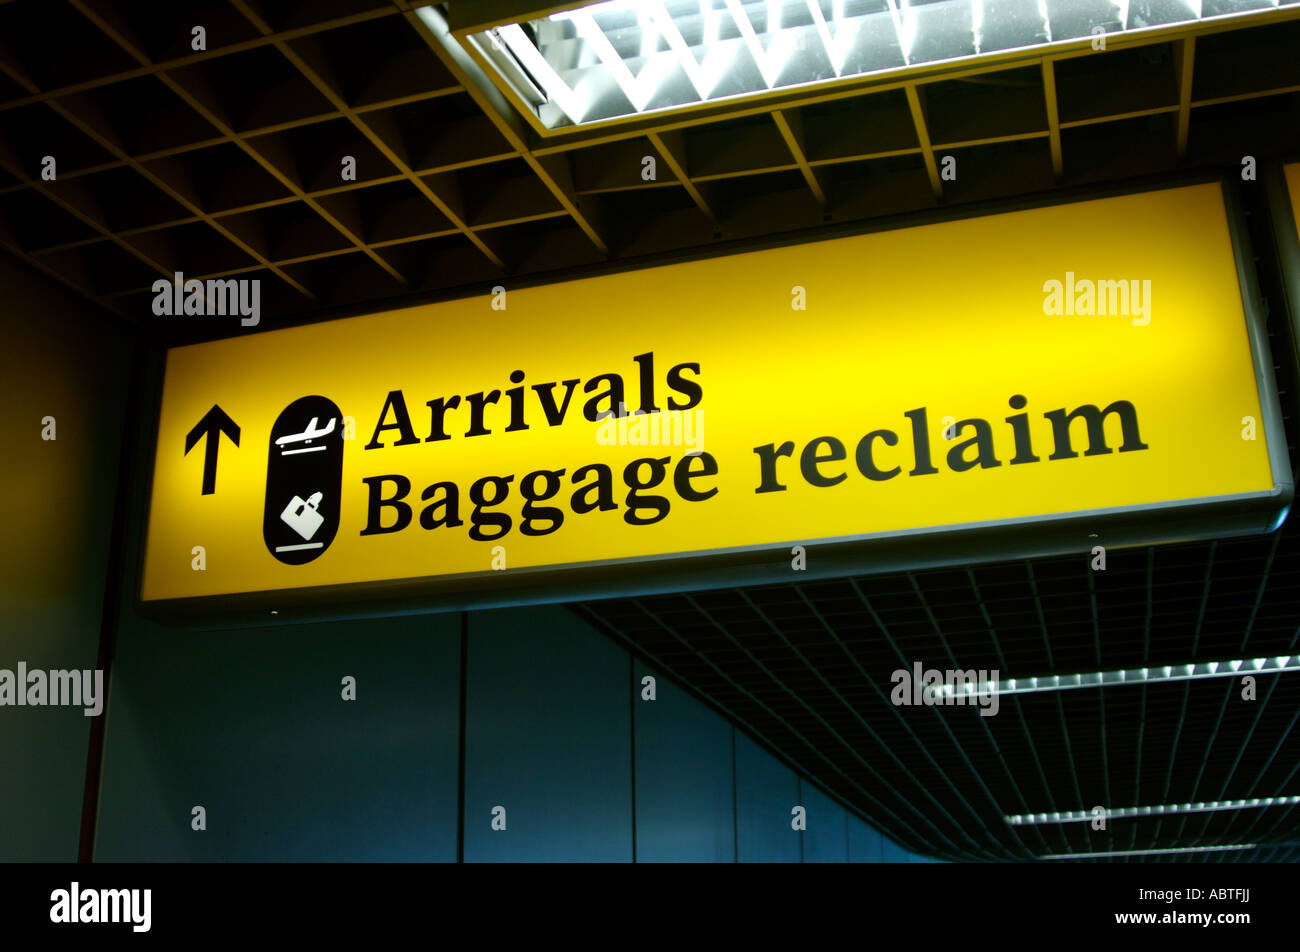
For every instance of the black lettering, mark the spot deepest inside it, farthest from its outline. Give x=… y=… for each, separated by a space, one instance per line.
x=603 y=485
x=866 y=462
x=551 y=514
x=635 y=501
x=683 y=475
x=1020 y=427
x=477 y=403
x=982 y=441
x=374 y=524
x=1096 y=420
x=449 y=503
x=554 y=415
x=614 y=395
x=687 y=388
x=397 y=402
x=516 y=395
x=920 y=442
x=767 y=465
x=437 y=412
x=646 y=363
x=809 y=460
x=479 y=518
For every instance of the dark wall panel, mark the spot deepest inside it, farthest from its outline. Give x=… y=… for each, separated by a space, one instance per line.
x=865 y=843
x=548 y=738
x=64 y=358
x=251 y=724
x=891 y=852
x=766 y=793
x=827 y=838
x=685 y=790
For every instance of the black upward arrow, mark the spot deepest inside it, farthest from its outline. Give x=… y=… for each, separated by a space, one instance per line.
x=214 y=423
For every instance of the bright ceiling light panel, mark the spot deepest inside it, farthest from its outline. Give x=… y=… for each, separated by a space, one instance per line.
x=1159 y=810
x=1156 y=674
x=625 y=58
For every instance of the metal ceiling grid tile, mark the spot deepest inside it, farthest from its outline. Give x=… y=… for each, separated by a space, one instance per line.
x=39 y=36
x=1242 y=62
x=1222 y=133
x=140 y=116
x=285 y=15
x=324 y=155
x=1009 y=102
x=1000 y=169
x=853 y=129
x=1116 y=83
x=24 y=127
x=376 y=61
x=104 y=267
x=1142 y=145
x=36 y=223
x=389 y=212
x=551 y=242
x=252 y=89
x=344 y=278
x=165 y=32
x=219 y=179
x=192 y=244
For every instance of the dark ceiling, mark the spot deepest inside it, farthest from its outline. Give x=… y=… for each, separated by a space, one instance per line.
x=807 y=668
x=227 y=162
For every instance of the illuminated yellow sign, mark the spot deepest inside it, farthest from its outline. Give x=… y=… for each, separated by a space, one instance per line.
x=1084 y=358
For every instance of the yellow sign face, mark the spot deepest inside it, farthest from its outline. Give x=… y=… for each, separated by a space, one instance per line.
x=1073 y=358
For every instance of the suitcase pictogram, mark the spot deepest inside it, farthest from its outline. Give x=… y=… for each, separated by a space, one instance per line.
x=302 y=516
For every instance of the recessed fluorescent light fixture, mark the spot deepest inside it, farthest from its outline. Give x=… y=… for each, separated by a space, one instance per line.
x=1181 y=849
x=1157 y=674
x=1163 y=809
x=626 y=58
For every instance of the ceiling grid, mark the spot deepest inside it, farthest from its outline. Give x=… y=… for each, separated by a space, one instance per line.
x=172 y=158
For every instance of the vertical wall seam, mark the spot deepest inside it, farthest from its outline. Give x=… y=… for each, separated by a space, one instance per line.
x=460 y=755
x=631 y=721
x=735 y=801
